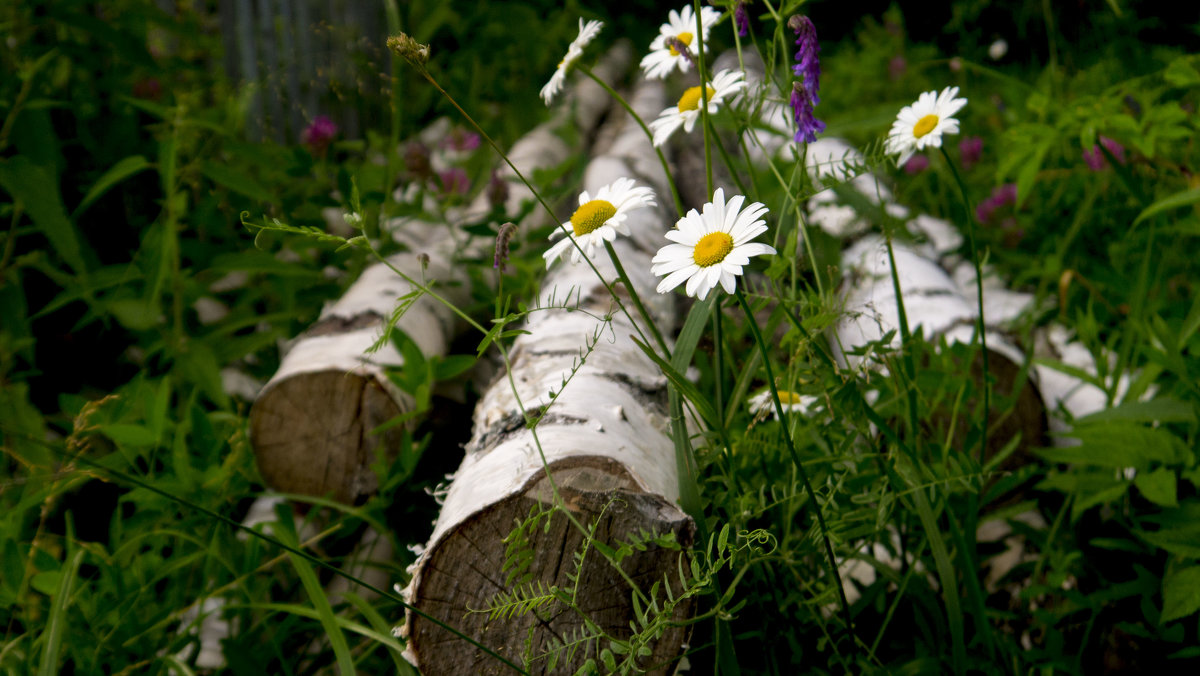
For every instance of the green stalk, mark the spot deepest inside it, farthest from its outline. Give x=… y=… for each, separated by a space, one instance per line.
x=637 y=300
x=803 y=473
x=703 y=96
x=649 y=135
x=910 y=369
x=987 y=384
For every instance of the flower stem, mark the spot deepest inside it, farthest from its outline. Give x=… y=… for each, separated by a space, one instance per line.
x=708 y=174
x=649 y=135
x=987 y=384
x=787 y=438
x=637 y=300
x=537 y=195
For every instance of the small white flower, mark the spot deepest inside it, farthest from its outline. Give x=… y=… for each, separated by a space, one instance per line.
x=587 y=31
x=680 y=25
x=724 y=84
x=599 y=218
x=712 y=247
x=998 y=49
x=922 y=124
x=761 y=403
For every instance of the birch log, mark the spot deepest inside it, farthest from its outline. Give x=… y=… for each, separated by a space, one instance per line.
x=311 y=425
x=604 y=438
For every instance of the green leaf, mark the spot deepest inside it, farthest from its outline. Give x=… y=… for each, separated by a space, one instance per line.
x=452 y=366
x=135 y=314
x=1181 y=73
x=36 y=188
x=129 y=435
x=1181 y=594
x=1117 y=445
x=316 y=594
x=1158 y=487
x=1163 y=410
x=117 y=173
x=237 y=181
x=1179 y=199
x=58 y=620
x=1183 y=541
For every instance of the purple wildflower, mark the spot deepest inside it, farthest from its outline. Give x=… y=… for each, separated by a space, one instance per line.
x=807 y=125
x=741 y=18
x=970 y=149
x=1001 y=196
x=809 y=66
x=1095 y=157
x=454 y=181
x=681 y=49
x=916 y=164
x=460 y=140
x=497 y=191
x=897 y=66
x=319 y=134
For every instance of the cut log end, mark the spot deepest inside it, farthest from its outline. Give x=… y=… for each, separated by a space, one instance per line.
x=464 y=571
x=312 y=433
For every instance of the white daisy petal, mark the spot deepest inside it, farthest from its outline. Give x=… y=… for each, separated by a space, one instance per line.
x=687 y=111
x=599 y=219
x=923 y=124
x=710 y=247
x=587 y=32
x=681 y=25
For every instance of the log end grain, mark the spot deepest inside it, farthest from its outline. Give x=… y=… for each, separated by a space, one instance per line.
x=312 y=433
x=464 y=571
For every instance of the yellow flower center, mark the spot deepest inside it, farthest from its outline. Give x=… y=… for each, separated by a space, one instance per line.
x=788 y=398
x=684 y=37
x=925 y=125
x=591 y=216
x=691 y=98
x=712 y=249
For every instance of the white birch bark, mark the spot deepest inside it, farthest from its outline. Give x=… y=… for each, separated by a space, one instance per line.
x=311 y=424
x=604 y=436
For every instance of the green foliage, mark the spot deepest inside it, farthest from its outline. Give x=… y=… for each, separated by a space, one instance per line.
x=152 y=256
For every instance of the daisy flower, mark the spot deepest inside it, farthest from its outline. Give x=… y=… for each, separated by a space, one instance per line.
x=587 y=31
x=599 y=218
x=712 y=247
x=922 y=124
x=761 y=403
x=681 y=25
x=724 y=84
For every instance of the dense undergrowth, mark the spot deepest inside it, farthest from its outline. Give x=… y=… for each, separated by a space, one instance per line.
x=137 y=314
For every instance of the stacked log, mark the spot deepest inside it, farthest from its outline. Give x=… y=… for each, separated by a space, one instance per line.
x=601 y=442
x=312 y=424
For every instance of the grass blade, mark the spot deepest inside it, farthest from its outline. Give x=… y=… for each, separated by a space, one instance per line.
x=58 y=616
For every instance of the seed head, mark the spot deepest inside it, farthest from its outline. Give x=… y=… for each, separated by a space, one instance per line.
x=415 y=53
